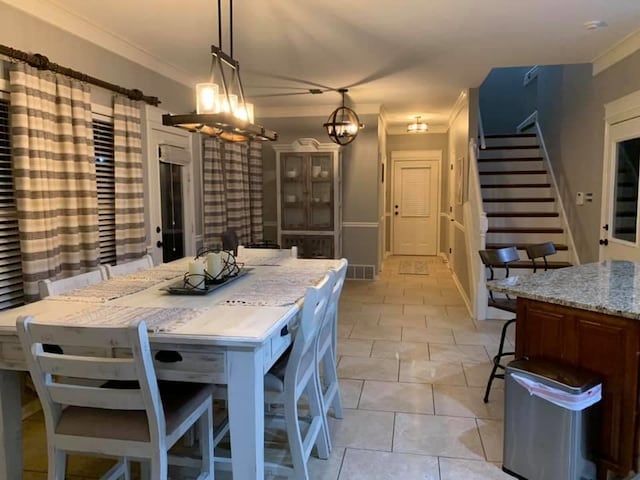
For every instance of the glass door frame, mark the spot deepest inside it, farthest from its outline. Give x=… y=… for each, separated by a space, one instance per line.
x=622 y=122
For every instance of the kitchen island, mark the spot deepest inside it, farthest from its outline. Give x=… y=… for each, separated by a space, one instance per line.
x=589 y=316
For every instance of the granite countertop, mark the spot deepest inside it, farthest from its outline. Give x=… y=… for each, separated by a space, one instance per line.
x=611 y=287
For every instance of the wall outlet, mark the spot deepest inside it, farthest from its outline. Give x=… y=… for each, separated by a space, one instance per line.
x=580 y=198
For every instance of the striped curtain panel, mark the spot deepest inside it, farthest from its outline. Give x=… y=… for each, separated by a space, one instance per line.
x=232 y=180
x=54 y=175
x=215 y=213
x=129 y=187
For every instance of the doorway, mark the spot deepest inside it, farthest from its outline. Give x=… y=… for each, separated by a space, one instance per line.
x=621 y=233
x=169 y=183
x=415 y=205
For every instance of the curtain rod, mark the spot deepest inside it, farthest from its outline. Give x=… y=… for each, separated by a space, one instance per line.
x=43 y=63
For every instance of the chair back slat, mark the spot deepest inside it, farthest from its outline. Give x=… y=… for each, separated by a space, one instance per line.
x=97 y=397
x=130 y=267
x=64 y=285
x=87 y=367
x=110 y=337
x=500 y=257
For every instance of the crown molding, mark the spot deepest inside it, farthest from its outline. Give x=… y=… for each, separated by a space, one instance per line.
x=314 y=111
x=54 y=14
x=618 y=52
x=461 y=101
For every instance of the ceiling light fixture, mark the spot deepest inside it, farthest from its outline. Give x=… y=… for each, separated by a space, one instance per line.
x=595 y=24
x=343 y=124
x=417 y=126
x=221 y=108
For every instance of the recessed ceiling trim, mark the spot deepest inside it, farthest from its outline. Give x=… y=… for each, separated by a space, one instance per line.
x=621 y=50
x=57 y=16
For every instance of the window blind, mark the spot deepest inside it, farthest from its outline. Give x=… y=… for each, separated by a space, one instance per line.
x=103 y=145
x=11 y=293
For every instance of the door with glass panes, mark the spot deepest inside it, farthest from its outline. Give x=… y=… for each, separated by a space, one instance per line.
x=306 y=201
x=620 y=238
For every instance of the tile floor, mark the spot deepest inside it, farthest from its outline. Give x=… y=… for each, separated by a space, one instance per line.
x=413 y=366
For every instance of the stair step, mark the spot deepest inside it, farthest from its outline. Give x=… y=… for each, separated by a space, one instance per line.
x=519 y=200
x=522 y=246
x=512 y=147
x=522 y=214
x=511 y=135
x=514 y=159
x=513 y=172
x=524 y=230
x=519 y=185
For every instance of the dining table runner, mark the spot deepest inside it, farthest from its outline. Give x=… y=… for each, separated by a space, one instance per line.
x=278 y=286
x=157 y=319
x=108 y=290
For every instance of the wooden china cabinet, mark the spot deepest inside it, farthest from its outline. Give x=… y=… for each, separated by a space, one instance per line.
x=309 y=198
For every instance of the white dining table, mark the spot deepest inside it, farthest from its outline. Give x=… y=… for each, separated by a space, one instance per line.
x=223 y=342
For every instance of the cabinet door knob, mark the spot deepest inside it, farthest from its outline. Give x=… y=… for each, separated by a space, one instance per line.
x=604 y=242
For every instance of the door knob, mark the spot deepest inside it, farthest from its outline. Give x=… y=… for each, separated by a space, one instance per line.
x=604 y=242
x=606 y=227
x=159 y=244
x=396 y=212
x=158 y=229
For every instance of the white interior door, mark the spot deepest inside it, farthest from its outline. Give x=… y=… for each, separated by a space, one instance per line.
x=415 y=207
x=620 y=238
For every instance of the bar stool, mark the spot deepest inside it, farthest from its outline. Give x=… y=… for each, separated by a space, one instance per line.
x=540 y=250
x=495 y=259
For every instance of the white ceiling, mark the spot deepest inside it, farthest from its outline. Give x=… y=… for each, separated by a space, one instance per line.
x=412 y=57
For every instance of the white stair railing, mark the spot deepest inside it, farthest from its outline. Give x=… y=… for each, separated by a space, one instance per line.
x=476 y=226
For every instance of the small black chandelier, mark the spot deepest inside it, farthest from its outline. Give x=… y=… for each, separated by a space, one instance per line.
x=343 y=124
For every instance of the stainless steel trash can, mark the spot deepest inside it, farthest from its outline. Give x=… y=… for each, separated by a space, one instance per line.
x=550 y=421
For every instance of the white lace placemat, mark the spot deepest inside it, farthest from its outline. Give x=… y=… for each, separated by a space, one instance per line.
x=159 y=273
x=156 y=319
x=107 y=290
x=253 y=258
x=280 y=287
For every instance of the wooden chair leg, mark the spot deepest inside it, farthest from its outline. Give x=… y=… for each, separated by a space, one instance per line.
x=332 y=396
x=294 y=436
x=206 y=442
x=159 y=465
x=317 y=410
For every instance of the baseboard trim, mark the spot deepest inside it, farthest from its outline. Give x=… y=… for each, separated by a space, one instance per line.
x=465 y=298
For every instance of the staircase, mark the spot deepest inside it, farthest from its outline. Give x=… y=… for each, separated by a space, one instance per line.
x=517 y=197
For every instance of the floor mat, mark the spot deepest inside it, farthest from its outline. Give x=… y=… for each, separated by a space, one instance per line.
x=414 y=267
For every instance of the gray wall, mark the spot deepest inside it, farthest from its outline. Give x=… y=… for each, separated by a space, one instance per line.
x=571 y=110
x=360 y=176
x=502 y=102
x=23 y=32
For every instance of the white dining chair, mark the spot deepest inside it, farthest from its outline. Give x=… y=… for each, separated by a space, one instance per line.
x=130 y=267
x=64 y=285
x=293 y=376
x=129 y=415
x=327 y=344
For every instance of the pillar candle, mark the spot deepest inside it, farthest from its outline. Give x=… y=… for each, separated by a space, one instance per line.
x=196 y=268
x=214 y=264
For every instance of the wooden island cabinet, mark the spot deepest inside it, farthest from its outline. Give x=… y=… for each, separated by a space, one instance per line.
x=589 y=316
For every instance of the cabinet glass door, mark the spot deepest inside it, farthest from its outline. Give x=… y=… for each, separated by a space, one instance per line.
x=294 y=191
x=321 y=188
